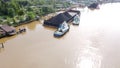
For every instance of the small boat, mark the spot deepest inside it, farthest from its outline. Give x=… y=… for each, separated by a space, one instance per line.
x=63 y=29
x=94 y=6
x=76 y=20
x=21 y=30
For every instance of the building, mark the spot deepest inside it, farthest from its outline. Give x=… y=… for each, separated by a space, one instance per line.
x=9 y=30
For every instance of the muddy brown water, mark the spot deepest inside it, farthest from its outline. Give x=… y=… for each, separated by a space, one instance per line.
x=92 y=44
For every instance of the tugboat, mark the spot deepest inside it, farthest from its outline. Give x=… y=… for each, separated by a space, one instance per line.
x=62 y=29
x=93 y=6
x=76 y=20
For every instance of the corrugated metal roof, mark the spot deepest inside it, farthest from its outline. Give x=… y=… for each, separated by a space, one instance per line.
x=7 y=28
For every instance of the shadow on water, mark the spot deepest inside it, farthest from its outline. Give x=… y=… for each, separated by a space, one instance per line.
x=50 y=28
x=32 y=25
x=3 y=41
x=1 y=49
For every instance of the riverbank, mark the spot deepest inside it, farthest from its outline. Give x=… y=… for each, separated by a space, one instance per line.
x=19 y=26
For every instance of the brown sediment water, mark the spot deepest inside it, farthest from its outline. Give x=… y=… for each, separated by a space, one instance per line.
x=92 y=44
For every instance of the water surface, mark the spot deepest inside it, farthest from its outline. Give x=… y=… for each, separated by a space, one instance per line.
x=92 y=44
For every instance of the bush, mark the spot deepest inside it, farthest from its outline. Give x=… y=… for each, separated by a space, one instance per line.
x=66 y=4
x=23 y=18
x=11 y=12
x=47 y=10
x=10 y=21
x=29 y=9
x=31 y=15
x=16 y=21
x=21 y=12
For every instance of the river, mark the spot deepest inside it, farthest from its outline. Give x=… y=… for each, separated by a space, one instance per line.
x=92 y=44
